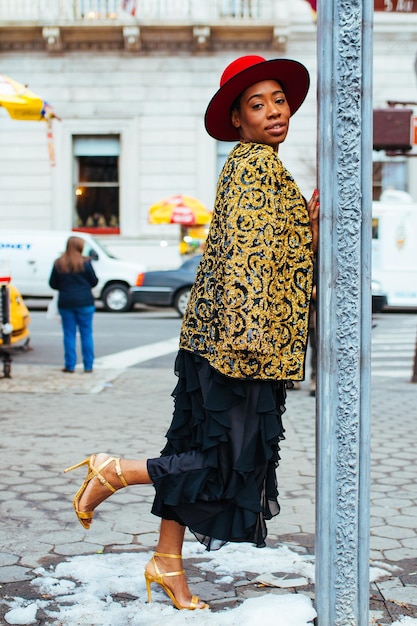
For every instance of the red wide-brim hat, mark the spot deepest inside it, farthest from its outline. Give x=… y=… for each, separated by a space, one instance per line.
x=241 y=74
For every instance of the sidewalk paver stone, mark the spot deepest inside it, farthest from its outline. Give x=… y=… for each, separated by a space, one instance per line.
x=52 y=421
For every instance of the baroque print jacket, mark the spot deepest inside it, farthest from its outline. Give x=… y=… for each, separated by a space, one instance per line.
x=249 y=306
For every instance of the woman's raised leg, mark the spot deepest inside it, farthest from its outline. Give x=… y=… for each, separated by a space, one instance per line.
x=106 y=474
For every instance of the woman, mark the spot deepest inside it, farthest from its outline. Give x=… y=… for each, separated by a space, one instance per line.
x=243 y=336
x=73 y=276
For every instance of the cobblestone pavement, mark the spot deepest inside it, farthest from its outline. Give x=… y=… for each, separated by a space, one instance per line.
x=51 y=420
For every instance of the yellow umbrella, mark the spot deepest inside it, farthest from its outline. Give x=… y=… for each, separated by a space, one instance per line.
x=179 y=209
x=19 y=101
x=22 y=104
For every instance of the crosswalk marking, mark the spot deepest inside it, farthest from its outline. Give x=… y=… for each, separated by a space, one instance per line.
x=390 y=341
x=393 y=348
x=392 y=353
x=128 y=358
x=405 y=373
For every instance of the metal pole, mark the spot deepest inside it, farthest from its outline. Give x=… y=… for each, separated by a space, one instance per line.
x=344 y=311
x=366 y=311
x=414 y=375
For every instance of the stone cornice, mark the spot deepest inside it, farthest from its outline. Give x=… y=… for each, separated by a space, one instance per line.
x=138 y=38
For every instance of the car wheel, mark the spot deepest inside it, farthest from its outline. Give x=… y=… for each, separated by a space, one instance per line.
x=181 y=300
x=378 y=303
x=116 y=298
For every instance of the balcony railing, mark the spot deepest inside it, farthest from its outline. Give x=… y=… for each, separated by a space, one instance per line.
x=67 y=11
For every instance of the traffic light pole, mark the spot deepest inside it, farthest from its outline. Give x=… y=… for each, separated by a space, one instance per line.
x=344 y=306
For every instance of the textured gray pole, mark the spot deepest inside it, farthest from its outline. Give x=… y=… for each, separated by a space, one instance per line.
x=344 y=320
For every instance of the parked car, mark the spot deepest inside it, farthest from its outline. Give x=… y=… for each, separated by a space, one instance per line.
x=16 y=328
x=14 y=325
x=168 y=288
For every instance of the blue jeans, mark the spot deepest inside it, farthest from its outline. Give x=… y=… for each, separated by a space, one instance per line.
x=81 y=317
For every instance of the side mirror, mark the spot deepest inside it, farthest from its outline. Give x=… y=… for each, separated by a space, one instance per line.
x=93 y=254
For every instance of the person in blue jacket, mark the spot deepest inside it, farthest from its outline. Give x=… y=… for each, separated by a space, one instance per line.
x=73 y=276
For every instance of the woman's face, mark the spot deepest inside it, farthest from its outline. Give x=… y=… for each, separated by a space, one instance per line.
x=263 y=115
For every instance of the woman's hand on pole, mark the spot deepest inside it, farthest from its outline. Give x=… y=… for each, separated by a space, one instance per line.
x=313 y=208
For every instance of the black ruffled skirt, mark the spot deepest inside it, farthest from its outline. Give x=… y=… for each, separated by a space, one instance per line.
x=216 y=474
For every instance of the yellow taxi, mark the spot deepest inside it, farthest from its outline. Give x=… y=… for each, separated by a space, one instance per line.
x=14 y=318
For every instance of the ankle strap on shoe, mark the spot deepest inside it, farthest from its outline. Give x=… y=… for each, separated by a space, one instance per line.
x=120 y=473
x=168 y=556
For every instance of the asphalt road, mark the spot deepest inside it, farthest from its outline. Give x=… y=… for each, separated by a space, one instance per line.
x=117 y=332
x=113 y=332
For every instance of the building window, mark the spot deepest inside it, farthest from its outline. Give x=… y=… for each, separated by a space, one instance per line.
x=389 y=174
x=96 y=183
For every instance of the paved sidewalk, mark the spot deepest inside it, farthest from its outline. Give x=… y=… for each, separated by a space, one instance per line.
x=51 y=420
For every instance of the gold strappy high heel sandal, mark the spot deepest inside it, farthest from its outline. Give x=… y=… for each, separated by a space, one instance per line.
x=158 y=578
x=86 y=517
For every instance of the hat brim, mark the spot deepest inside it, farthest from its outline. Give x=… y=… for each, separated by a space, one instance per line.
x=292 y=76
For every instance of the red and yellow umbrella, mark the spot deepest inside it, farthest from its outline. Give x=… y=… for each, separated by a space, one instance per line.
x=23 y=104
x=179 y=209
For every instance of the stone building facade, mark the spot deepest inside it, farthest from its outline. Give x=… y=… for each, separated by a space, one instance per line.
x=131 y=92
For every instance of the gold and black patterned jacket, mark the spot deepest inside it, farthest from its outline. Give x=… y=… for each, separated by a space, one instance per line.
x=248 y=309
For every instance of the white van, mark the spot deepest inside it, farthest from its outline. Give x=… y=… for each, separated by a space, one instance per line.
x=30 y=256
x=394 y=248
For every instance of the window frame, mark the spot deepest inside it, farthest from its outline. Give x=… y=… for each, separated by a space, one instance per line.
x=129 y=170
x=79 y=153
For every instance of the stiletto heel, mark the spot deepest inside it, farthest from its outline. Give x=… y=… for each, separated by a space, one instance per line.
x=73 y=467
x=86 y=517
x=148 y=581
x=158 y=578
